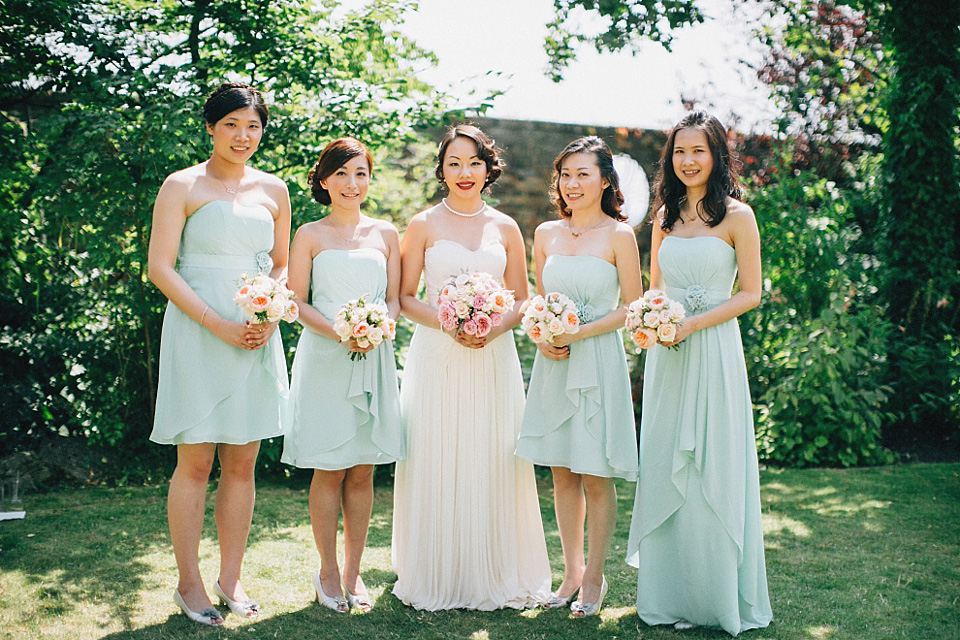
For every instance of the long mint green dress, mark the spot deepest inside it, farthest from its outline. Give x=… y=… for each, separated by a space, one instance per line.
x=696 y=534
x=345 y=412
x=209 y=391
x=579 y=412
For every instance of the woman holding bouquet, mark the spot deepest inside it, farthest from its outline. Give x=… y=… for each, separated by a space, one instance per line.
x=467 y=531
x=579 y=415
x=696 y=534
x=223 y=380
x=346 y=412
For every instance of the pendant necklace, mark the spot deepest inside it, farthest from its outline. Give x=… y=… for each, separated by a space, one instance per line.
x=577 y=234
x=353 y=236
x=482 y=208
x=233 y=191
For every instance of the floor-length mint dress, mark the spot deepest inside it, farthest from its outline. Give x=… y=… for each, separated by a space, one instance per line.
x=696 y=534
x=345 y=412
x=209 y=391
x=579 y=412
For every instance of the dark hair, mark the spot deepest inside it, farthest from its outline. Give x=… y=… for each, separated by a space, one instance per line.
x=229 y=97
x=612 y=197
x=336 y=154
x=671 y=193
x=487 y=150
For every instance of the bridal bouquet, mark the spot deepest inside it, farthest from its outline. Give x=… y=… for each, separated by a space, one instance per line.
x=474 y=303
x=369 y=323
x=264 y=299
x=546 y=317
x=653 y=318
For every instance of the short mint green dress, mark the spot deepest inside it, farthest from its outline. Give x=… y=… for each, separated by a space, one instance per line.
x=696 y=534
x=579 y=412
x=209 y=391
x=345 y=412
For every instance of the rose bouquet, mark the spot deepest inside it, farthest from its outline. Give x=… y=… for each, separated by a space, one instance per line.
x=546 y=317
x=474 y=303
x=264 y=299
x=653 y=318
x=369 y=323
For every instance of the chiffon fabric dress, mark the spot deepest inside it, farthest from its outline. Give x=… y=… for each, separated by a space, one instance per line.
x=345 y=412
x=696 y=534
x=467 y=531
x=579 y=412
x=209 y=391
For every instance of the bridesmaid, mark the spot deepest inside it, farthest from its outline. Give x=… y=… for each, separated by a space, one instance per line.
x=579 y=415
x=223 y=381
x=467 y=531
x=696 y=534
x=346 y=413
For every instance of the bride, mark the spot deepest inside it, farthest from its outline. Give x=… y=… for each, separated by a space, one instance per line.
x=467 y=531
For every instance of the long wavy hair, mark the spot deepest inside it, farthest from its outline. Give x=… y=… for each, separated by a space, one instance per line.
x=612 y=198
x=671 y=193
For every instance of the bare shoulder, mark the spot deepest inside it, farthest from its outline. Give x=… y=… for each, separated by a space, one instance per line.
x=740 y=216
x=384 y=227
x=502 y=219
x=183 y=179
x=309 y=230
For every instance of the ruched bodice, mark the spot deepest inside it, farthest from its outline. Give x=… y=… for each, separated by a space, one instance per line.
x=697 y=284
x=449 y=258
x=340 y=276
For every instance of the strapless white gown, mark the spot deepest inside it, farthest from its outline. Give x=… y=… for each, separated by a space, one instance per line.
x=467 y=531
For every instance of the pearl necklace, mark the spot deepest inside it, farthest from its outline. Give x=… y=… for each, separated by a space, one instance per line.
x=463 y=215
x=577 y=234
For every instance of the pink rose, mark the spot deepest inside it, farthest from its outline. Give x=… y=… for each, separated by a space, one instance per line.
x=470 y=327
x=483 y=323
x=536 y=332
x=496 y=319
x=293 y=312
x=447 y=315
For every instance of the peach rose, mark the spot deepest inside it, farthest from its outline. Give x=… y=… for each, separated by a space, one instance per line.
x=644 y=338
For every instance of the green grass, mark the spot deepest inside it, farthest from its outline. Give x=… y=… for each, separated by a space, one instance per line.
x=857 y=553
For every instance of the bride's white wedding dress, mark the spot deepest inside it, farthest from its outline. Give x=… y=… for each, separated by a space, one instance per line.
x=467 y=531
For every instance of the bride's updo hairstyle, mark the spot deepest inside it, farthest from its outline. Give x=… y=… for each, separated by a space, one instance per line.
x=723 y=182
x=612 y=197
x=229 y=97
x=336 y=154
x=487 y=150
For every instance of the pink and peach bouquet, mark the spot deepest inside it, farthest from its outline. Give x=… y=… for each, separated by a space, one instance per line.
x=653 y=318
x=264 y=299
x=473 y=303
x=546 y=317
x=369 y=323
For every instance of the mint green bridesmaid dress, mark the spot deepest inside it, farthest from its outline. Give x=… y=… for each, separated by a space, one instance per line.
x=696 y=534
x=345 y=412
x=579 y=412
x=209 y=391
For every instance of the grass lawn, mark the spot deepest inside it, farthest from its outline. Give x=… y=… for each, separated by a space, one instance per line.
x=858 y=553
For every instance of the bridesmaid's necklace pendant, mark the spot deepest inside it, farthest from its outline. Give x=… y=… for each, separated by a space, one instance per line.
x=577 y=234
x=446 y=206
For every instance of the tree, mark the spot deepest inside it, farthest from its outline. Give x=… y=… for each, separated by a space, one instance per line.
x=101 y=100
x=625 y=25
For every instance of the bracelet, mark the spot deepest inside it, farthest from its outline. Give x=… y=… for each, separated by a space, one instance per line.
x=202 y=315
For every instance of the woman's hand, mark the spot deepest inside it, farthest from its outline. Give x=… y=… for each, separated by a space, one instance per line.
x=471 y=342
x=684 y=329
x=553 y=351
x=257 y=335
x=354 y=347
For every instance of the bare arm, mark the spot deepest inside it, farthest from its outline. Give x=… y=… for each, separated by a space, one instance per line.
x=302 y=252
x=412 y=249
